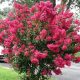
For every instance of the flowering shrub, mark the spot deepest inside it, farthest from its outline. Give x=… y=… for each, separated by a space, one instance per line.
x=40 y=40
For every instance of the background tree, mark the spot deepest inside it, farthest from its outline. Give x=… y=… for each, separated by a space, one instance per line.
x=31 y=2
x=5 y=7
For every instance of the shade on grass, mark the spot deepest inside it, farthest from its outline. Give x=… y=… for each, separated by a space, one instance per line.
x=8 y=74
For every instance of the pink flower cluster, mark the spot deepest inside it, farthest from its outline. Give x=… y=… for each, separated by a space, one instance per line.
x=43 y=35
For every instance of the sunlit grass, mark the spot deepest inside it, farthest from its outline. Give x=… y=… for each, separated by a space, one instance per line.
x=8 y=74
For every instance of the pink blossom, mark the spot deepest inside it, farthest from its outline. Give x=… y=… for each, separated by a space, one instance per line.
x=68 y=41
x=43 y=16
x=77 y=48
x=6 y=51
x=68 y=57
x=77 y=38
x=43 y=55
x=40 y=55
x=64 y=47
x=68 y=63
x=1 y=26
x=0 y=38
x=60 y=42
x=34 y=61
x=37 y=38
x=7 y=42
x=68 y=14
x=57 y=71
x=32 y=9
x=63 y=33
x=44 y=72
x=77 y=22
x=56 y=36
x=17 y=53
x=29 y=23
x=77 y=60
x=59 y=62
x=43 y=34
x=18 y=6
x=53 y=47
x=48 y=38
x=6 y=60
x=26 y=53
x=13 y=30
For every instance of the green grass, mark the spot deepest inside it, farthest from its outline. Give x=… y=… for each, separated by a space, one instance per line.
x=8 y=74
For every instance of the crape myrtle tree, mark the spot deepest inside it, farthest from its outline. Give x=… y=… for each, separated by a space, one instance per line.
x=40 y=40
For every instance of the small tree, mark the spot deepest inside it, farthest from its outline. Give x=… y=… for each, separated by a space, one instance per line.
x=40 y=40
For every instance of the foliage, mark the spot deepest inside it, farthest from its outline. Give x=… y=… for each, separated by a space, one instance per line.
x=68 y=2
x=40 y=40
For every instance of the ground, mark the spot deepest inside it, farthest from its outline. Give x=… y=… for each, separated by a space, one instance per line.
x=70 y=73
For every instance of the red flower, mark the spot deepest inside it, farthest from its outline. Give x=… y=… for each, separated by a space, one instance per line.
x=6 y=60
x=59 y=62
x=48 y=38
x=26 y=53
x=77 y=59
x=68 y=57
x=0 y=38
x=43 y=34
x=34 y=61
x=57 y=71
x=44 y=72
x=64 y=47
x=68 y=41
x=53 y=47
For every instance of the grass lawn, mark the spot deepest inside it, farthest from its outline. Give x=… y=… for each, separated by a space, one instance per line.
x=8 y=74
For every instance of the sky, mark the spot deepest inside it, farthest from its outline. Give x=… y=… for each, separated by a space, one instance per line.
x=1 y=48
x=5 y=4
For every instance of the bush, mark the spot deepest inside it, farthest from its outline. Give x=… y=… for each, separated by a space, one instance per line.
x=40 y=40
